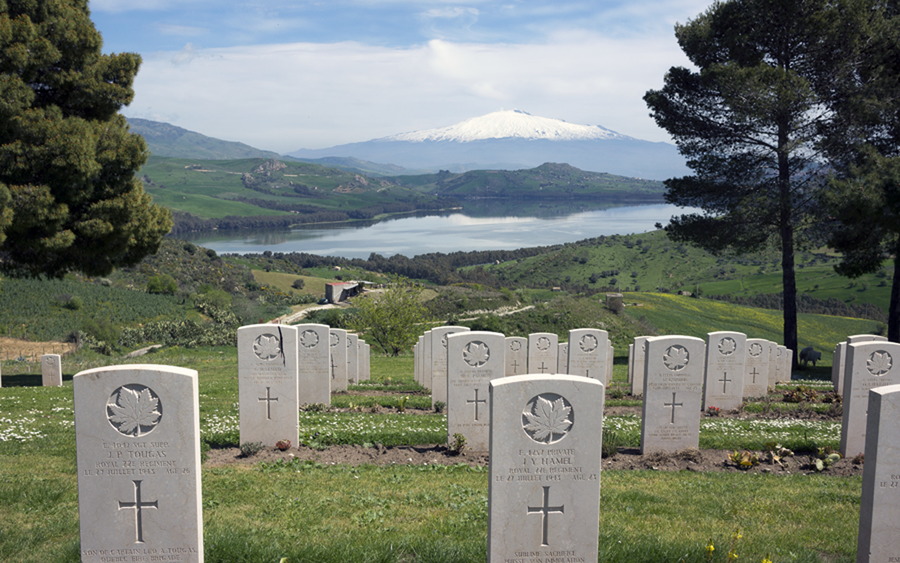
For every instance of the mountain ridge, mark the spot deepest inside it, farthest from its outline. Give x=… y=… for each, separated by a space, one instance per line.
x=513 y=140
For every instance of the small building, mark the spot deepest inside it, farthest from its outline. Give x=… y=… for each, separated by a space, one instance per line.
x=337 y=292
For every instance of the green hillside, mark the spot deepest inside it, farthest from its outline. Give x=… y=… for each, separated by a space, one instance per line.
x=291 y=192
x=548 y=181
x=164 y=139
x=652 y=262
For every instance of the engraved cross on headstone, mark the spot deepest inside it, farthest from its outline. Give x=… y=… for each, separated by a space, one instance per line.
x=138 y=505
x=754 y=373
x=545 y=511
x=515 y=366
x=673 y=404
x=475 y=401
x=543 y=367
x=268 y=400
x=333 y=366
x=725 y=381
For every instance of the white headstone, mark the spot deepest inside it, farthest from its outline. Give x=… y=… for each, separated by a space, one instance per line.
x=544 y=492
x=639 y=351
x=439 y=361
x=839 y=362
x=837 y=366
x=516 y=355
x=268 y=386
x=879 y=514
x=365 y=358
x=542 y=350
x=589 y=353
x=610 y=361
x=427 y=362
x=338 y=359
x=51 y=370
x=756 y=368
x=562 y=358
x=314 y=364
x=352 y=358
x=474 y=358
x=725 y=352
x=673 y=394
x=772 y=349
x=137 y=441
x=868 y=365
x=630 y=363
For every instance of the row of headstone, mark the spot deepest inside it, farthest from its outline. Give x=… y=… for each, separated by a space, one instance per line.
x=138 y=457
x=463 y=363
x=281 y=367
x=736 y=367
x=590 y=355
x=139 y=482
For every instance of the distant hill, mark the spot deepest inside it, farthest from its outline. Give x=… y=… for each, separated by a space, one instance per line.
x=168 y=140
x=547 y=181
x=512 y=140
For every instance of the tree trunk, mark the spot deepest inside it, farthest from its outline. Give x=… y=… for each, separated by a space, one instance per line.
x=894 y=308
x=786 y=232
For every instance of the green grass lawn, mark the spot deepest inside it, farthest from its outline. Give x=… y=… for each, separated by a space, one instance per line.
x=305 y=511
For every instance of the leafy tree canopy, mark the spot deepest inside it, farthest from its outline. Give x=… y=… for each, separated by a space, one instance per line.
x=391 y=318
x=750 y=120
x=69 y=200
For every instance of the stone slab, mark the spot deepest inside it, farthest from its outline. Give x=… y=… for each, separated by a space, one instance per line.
x=544 y=492
x=314 y=364
x=268 y=385
x=338 y=359
x=868 y=365
x=439 y=361
x=756 y=368
x=474 y=358
x=542 y=352
x=638 y=361
x=879 y=514
x=673 y=394
x=725 y=353
x=51 y=370
x=589 y=353
x=516 y=355
x=137 y=442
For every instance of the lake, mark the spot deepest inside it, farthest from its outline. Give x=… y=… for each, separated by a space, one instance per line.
x=474 y=229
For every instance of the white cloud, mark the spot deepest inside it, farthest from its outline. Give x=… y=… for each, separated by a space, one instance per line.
x=304 y=95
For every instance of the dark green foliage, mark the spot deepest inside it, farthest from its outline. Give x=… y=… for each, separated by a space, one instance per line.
x=162 y=284
x=750 y=122
x=68 y=197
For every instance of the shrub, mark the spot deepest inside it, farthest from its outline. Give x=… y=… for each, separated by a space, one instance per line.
x=162 y=284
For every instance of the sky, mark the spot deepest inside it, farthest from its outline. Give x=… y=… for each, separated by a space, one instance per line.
x=283 y=75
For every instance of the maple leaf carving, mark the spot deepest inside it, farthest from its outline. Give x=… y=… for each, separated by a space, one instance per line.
x=588 y=343
x=267 y=346
x=727 y=346
x=755 y=349
x=879 y=363
x=476 y=354
x=135 y=411
x=548 y=421
x=676 y=358
x=543 y=343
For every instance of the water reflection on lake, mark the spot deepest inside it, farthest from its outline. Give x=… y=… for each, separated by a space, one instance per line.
x=473 y=229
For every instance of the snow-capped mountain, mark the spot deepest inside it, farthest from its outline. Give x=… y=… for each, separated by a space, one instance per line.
x=510 y=124
x=511 y=140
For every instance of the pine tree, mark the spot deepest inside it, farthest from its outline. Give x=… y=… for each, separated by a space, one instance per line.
x=69 y=199
x=749 y=120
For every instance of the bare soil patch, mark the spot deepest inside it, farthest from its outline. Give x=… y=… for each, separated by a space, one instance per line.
x=14 y=348
x=625 y=459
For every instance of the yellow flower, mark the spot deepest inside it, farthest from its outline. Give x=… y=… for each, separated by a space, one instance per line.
x=732 y=555
x=766 y=560
x=710 y=547
x=737 y=535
